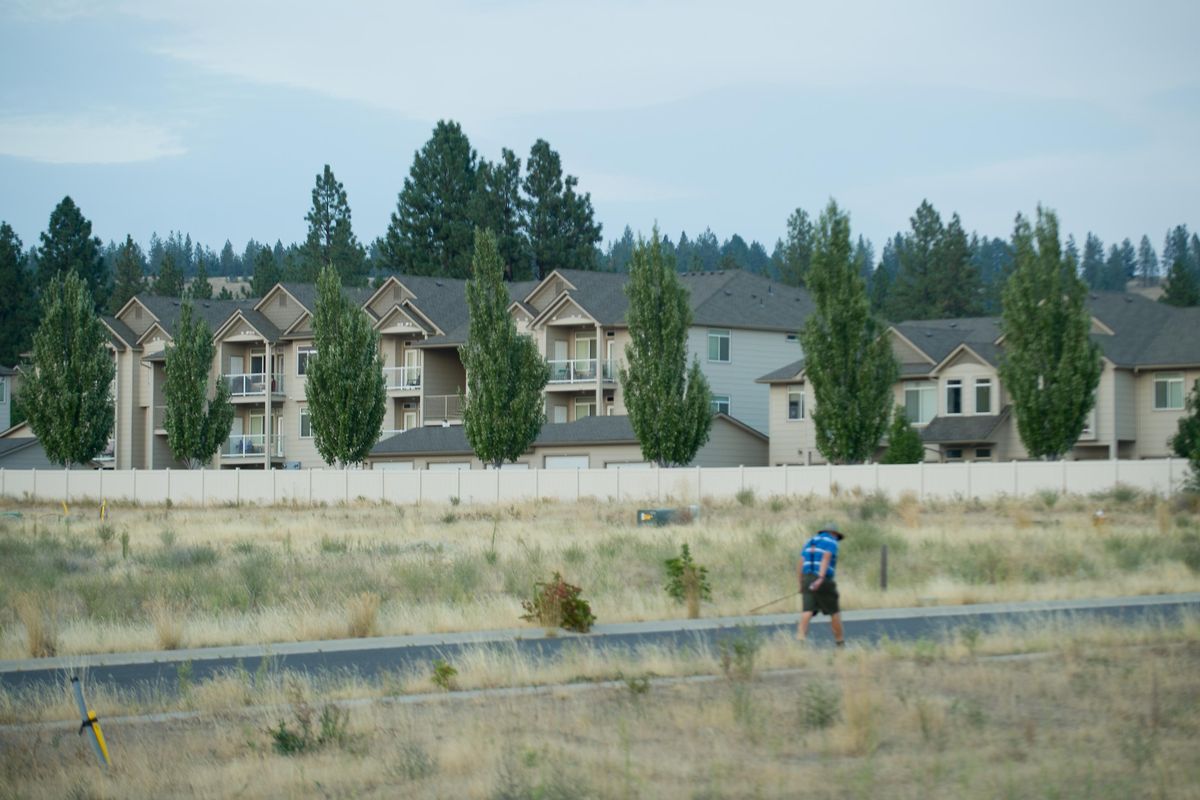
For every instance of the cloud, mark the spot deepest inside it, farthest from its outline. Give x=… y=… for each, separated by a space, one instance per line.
x=85 y=140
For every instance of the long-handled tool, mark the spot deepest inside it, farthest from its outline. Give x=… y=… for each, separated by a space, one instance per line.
x=773 y=602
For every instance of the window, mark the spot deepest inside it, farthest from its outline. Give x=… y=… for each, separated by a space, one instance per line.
x=583 y=410
x=983 y=452
x=954 y=396
x=919 y=402
x=1168 y=391
x=718 y=346
x=954 y=454
x=3 y=390
x=303 y=354
x=795 y=398
x=720 y=404
x=305 y=423
x=983 y=395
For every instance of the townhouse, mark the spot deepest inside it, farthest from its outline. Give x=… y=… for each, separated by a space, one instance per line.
x=951 y=391
x=742 y=324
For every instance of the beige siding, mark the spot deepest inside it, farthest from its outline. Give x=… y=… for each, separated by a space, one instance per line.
x=1126 y=405
x=1155 y=428
x=792 y=441
x=730 y=446
x=137 y=322
x=281 y=308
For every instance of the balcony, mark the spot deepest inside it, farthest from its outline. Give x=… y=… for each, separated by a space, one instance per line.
x=248 y=445
x=253 y=384
x=439 y=407
x=108 y=454
x=403 y=379
x=581 y=370
x=388 y=433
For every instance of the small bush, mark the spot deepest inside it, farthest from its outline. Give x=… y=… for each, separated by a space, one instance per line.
x=362 y=613
x=1048 y=498
x=820 y=705
x=412 y=763
x=39 y=615
x=167 y=537
x=167 y=621
x=745 y=497
x=105 y=533
x=777 y=504
x=557 y=604
x=331 y=728
x=874 y=506
x=738 y=653
x=334 y=546
x=443 y=675
x=125 y=544
x=687 y=581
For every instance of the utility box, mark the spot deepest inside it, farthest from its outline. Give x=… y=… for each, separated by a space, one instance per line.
x=667 y=516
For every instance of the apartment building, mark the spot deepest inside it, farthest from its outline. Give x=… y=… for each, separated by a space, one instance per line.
x=951 y=390
x=742 y=323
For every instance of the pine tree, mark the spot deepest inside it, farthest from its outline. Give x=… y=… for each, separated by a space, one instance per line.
x=344 y=385
x=504 y=408
x=130 y=274
x=796 y=255
x=847 y=359
x=228 y=263
x=496 y=206
x=1147 y=262
x=1186 y=441
x=1093 y=262
x=200 y=288
x=1175 y=246
x=68 y=245
x=431 y=232
x=266 y=273
x=1050 y=366
x=904 y=443
x=17 y=306
x=1112 y=279
x=196 y=425
x=669 y=403
x=67 y=394
x=169 y=282
x=559 y=222
x=1181 y=289
x=331 y=239
x=958 y=290
x=1129 y=263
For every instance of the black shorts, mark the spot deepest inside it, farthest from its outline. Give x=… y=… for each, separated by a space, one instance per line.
x=824 y=600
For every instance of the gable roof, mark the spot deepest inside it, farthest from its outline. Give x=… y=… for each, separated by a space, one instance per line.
x=120 y=334
x=256 y=320
x=938 y=338
x=966 y=429
x=789 y=373
x=214 y=312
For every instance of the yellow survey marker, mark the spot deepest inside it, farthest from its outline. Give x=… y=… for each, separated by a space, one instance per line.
x=92 y=723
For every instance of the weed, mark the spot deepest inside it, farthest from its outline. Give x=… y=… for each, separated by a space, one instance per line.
x=776 y=504
x=39 y=615
x=449 y=518
x=331 y=727
x=745 y=497
x=105 y=533
x=444 y=675
x=1047 y=497
x=455 y=500
x=738 y=652
x=556 y=604
x=969 y=635
x=124 y=544
x=362 y=613
x=168 y=537
x=687 y=581
x=334 y=546
x=874 y=506
x=820 y=705
x=167 y=621
x=637 y=685
x=413 y=763
x=183 y=681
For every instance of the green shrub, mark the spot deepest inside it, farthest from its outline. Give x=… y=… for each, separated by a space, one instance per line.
x=331 y=728
x=557 y=604
x=745 y=497
x=443 y=675
x=687 y=581
x=105 y=533
x=820 y=704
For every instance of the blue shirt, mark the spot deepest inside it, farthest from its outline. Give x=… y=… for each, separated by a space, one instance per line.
x=815 y=549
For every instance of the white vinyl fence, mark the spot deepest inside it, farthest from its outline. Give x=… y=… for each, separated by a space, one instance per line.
x=968 y=480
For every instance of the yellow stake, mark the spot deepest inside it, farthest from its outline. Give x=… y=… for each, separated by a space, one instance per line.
x=99 y=735
x=103 y=509
x=65 y=512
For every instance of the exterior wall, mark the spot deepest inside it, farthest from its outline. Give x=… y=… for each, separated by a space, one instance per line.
x=1124 y=389
x=1155 y=428
x=751 y=354
x=792 y=441
x=1103 y=414
x=442 y=375
x=137 y=318
x=32 y=457
x=281 y=309
x=730 y=446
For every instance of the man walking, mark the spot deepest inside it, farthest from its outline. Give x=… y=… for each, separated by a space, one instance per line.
x=816 y=570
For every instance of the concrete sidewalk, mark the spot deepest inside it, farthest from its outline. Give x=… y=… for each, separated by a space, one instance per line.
x=598 y=632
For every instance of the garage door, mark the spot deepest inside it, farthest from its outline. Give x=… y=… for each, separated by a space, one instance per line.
x=567 y=462
x=449 y=466
x=394 y=466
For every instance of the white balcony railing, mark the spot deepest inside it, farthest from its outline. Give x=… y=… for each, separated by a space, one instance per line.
x=254 y=384
x=440 y=407
x=387 y=433
x=402 y=377
x=580 y=370
x=108 y=453
x=250 y=444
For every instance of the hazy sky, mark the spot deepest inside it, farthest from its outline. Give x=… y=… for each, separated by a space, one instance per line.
x=214 y=117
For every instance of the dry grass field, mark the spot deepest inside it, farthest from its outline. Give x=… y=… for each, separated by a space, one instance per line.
x=166 y=578
x=1093 y=713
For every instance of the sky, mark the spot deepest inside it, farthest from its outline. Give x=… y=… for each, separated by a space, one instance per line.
x=214 y=118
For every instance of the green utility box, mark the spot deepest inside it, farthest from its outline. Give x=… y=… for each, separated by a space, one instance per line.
x=667 y=516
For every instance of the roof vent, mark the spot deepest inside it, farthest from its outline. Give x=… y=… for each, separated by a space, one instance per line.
x=953 y=324
x=174 y=302
x=1128 y=298
x=928 y=334
x=728 y=293
x=437 y=283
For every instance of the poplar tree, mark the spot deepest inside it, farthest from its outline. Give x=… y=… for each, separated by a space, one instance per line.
x=504 y=408
x=196 y=425
x=1050 y=366
x=847 y=359
x=669 y=403
x=904 y=443
x=344 y=386
x=169 y=282
x=431 y=231
x=331 y=239
x=67 y=395
x=68 y=245
x=130 y=274
x=17 y=306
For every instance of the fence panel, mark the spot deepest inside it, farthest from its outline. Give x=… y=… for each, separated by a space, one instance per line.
x=151 y=487
x=221 y=487
x=1039 y=476
x=855 y=478
x=947 y=481
x=897 y=480
x=679 y=485
x=1162 y=477
x=1083 y=476
x=364 y=484
x=991 y=480
x=479 y=486
x=598 y=484
x=517 y=485
x=328 y=486
x=256 y=487
x=401 y=488
x=720 y=482
x=291 y=486
x=85 y=485
x=807 y=480
x=438 y=487
x=187 y=487
x=118 y=486
x=558 y=484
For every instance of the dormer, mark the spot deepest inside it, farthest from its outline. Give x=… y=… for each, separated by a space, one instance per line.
x=388 y=295
x=136 y=316
x=548 y=290
x=281 y=307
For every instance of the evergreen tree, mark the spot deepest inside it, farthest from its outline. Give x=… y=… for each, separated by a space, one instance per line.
x=68 y=245
x=431 y=232
x=736 y=251
x=130 y=274
x=67 y=394
x=169 y=282
x=706 y=251
x=904 y=443
x=1147 y=262
x=1129 y=263
x=760 y=263
x=200 y=288
x=344 y=386
x=797 y=249
x=993 y=260
x=884 y=277
x=914 y=294
x=496 y=206
x=864 y=258
x=1181 y=288
x=669 y=403
x=559 y=221
x=331 y=240
x=17 y=307
x=847 y=359
x=196 y=426
x=1186 y=441
x=1050 y=367
x=266 y=273
x=620 y=251
x=1093 y=264
x=958 y=290
x=504 y=408
x=1112 y=279
x=1175 y=246
x=228 y=263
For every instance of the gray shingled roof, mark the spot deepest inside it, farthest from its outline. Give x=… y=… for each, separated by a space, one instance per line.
x=979 y=428
x=119 y=333
x=306 y=294
x=15 y=443
x=785 y=374
x=937 y=338
x=1146 y=332
x=7 y=370
x=214 y=312
x=262 y=324
x=453 y=440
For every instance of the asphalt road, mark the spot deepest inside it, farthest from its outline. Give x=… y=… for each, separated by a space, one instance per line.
x=158 y=672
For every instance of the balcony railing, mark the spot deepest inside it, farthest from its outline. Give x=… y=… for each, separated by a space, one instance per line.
x=580 y=370
x=250 y=444
x=254 y=384
x=440 y=407
x=108 y=453
x=387 y=433
x=402 y=377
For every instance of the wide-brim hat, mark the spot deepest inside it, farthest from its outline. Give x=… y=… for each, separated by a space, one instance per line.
x=832 y=527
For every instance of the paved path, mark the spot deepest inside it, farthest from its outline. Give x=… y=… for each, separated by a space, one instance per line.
x=368 y=657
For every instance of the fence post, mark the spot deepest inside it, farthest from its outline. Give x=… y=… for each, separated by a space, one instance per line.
x=829 y=479
x=420 y=486
x=883 y=568
x=577 y=471
x=457 y=484
x=67 y=485
x=1064 y=476
x=619 y=471
x=169 y=484
x=346 y=485
x=537 y=484
x=921 y=474
x=203 y=487
x=237 y=495
x=1170 y=477
x=134 y=481
x=1016 y=482
x=1116 y=473
x=274 y=486
x=969 y=495
x=310 y=474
